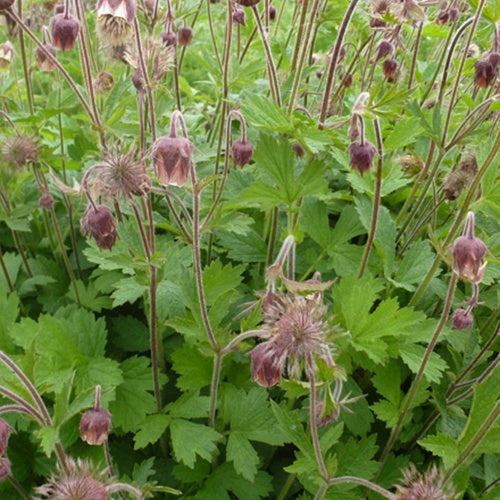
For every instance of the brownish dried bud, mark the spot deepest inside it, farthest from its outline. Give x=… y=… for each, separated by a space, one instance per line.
x=99 y=223
x=46 y=201
x=485 y=73
x=5 y=430
x=384 y=48
x=248 y=3
x=390 y=66
x=95 y=425
x=169 y=38
x=42 y=60
x=172 y=160
x=319 y=74
x=5 y=471
x=298 y=149
x=347 y=80
x=362 y=156
x=461 y=319
x=6 y=4
x=239 y=16
x=64 y=31
x=377 y=23
x=242 y=151
x=103 y=82
x=185 y=36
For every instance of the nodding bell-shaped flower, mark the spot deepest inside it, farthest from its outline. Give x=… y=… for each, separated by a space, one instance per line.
x=173 y=159
x=266 y=365
x=65 y=29
x=468 y=253
x=115 y=21
x=99 y=223
x=239 y=16
x=461 y=319
x=486 y=70
x=362 y=155
x=42 y=60
x=242 y=151
x=390 y=66
x=6 y=4
x=95 y=425
x=185 y=36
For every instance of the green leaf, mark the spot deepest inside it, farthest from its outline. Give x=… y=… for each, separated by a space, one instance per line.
x=402 y=134
x=263 y=112
x=242 y=454
x=412 y=355
x=130 y=334
x=219 y=279
x=189 y=406
x=9 y=310
x=249 y=247
x=190 y=439
x=442 y=446
x=387 y=412
x=48 y=439
x=127 y=290
x=152 y=428
x=133 y=400
x=313 y=221
x=194 y=369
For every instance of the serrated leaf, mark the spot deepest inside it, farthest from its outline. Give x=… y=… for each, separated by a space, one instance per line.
x=130 y=334
x=190 y=439
x=387 y=412
x=189 y=406
x=242 y=454
x=152 y=428
x=194 y=369
x=442 y=446
x=263 y=112
x=415 y=263
x=48 y=439
x=127 y=290
x=402 y=134
x=313 y=220
x=219 y=279
x=249 y=247
x=412 y=355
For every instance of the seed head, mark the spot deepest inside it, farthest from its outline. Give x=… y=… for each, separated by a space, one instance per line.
x=42 y=60
x=99 y=223
x=427 y=486
x=18 y=151
x=461 y=319
x=95 y=425
x=362 y=156
x=172 y=160
x=242 y=151
x=65 y=30
x=468 y=253
x=296 y=330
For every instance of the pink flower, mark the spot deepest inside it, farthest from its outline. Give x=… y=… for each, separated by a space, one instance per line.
x=172 y=159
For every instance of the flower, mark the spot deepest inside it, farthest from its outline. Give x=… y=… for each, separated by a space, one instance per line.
x=185 y=36
x=362 y=155
x=242 y=151
x=115 y=21
x=486 y=70
x=172 y=159
x=6 y=54
x=248 y=3
x=43 y=61
x=461 y=319
x=99 y=223
x=296 y=330
x=6 y=4
x=427 y=486
x=468 y=253
x=95 y=425
x=390 y=66
x=65 y=29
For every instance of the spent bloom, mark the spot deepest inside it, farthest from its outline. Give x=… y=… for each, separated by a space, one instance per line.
x=427 y=486
x=18 y=151
x=468 y=253
x=115 y=20
x=295 y=330
x=99 y=223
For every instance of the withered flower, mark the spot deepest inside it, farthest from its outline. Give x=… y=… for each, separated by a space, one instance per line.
x=18 y=151
x=427 y=486
x=115 y=20
x=42 y=60
x=99 y=223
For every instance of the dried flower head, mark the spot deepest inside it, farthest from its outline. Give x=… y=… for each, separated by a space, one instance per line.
x=427 y=486
x=5 y=430
x=18 y=151
x=65 y=31
x=5 y=471
x=6 y=54
x=43 y=61
x=115 y=21
x=362 y=156
x=121 y=174
x=95 y=425
x=461 y=319
x=242 y=151
x=295 y=331
x=158 y=56
x=468 y=253
x=99 y=223
x=103 y=82
x=172 y=159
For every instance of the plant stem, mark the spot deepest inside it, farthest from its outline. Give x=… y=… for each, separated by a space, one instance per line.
x=376 y=200
x=418 y=378
x=27 y=77
x=363 y=482
x=6 y=273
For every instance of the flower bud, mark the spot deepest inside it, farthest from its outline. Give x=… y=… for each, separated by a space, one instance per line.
x=348 y=81
x=64 y=31
x=137 y=80
x=99 y=223
x=46 y=201
x=494 y=59
x=6 y=4
x=239 y=16
x=298 y=149
x=266 y=370
x=172 y=160
x=390 y=67
x=248 y=3
x=242 y=151
x=185 y=36
x=362 y=156
x=42 y=60
x=5 y=430
x=103 y=82
x=384 y=48
x=169 y=38
x=272 y=12
x=485 y=73
x=95 y=425
x=59 y=8
x=461 y=320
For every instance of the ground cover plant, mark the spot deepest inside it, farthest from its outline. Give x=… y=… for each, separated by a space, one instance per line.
x=248 y=249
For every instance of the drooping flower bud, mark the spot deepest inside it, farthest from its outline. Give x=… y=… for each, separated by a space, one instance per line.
x=485 y=73
x=185 y=36
x=239 y=16
x=390 y=67
x=46 y=201
x=362 y=156
x=42 y=60
x=95 y=425
x=266 y=369
x=173 y=160
x=468 y=253
x=65 y=31
x=272 y=12
x=5 y=430
x=461 y=319
x=248 y=3
x=298 y=149
x=169 y=38
x=99 y=223
x=242 y=151
x=6 y=4
x=384 y=48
